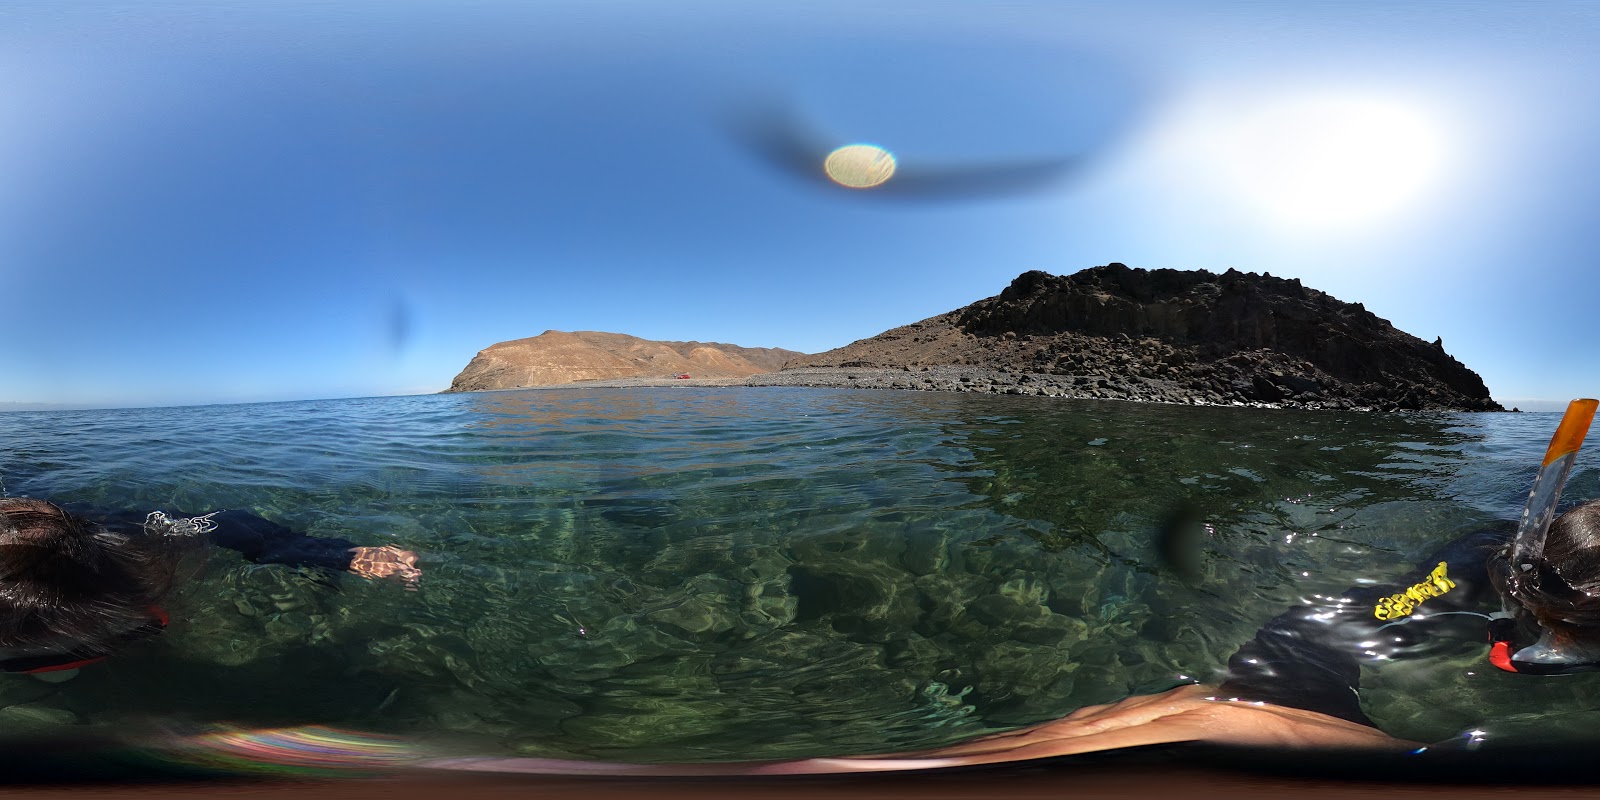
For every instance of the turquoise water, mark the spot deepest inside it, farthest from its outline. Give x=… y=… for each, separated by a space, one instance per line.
x=756 y=573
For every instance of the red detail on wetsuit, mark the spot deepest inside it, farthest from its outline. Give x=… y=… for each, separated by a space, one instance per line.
x=1500 y=656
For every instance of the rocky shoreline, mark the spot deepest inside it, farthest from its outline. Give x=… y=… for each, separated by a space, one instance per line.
x=984 y=380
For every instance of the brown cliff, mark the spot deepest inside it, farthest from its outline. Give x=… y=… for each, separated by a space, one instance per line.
x=557 y=357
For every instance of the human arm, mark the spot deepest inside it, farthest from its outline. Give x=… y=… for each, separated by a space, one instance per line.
x=263 y=541
x=1184 y=714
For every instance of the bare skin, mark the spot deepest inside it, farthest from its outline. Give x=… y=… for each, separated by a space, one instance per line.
x=382 y=562
x=1184 y=714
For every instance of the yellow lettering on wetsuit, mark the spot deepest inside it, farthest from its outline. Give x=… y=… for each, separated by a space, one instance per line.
x=1402 y=604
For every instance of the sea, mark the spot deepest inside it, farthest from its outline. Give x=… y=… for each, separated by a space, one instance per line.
x=705 y=574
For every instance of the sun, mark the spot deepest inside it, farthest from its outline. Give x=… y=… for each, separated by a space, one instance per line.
x=1333 y=161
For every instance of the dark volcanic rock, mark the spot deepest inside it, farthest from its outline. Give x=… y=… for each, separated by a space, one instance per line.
x=1177 y=336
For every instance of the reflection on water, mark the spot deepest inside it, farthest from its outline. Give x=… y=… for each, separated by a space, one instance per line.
x=759 y=573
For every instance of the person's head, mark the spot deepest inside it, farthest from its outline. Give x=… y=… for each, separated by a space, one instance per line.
x=1563 y=592
x=66 y=579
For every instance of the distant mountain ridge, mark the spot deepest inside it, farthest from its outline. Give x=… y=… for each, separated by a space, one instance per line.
x=1178 y=336
x=554 y=358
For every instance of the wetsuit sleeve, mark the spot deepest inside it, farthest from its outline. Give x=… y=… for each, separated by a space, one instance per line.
x=266 y=542
x=1310 y=656
x=259 y=540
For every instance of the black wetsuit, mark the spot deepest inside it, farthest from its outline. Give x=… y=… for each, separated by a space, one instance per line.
x=1309 y=657
x=258 y=540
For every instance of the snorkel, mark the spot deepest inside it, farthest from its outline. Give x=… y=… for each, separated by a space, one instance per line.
x=1551 y=654
x=1528 y=548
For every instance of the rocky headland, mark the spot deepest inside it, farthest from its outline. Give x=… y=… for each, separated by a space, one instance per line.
x=1196 y=337
x=555 y=358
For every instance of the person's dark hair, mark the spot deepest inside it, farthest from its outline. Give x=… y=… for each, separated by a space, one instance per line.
x=66 y=579
x=1566 y=594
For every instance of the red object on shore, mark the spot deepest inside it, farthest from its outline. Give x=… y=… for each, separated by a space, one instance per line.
x=682 y=376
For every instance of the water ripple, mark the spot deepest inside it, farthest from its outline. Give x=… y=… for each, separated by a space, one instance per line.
x=717 y=573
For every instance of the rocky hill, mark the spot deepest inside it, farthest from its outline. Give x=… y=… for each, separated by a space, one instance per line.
x=555 y=357
x=1178 y=336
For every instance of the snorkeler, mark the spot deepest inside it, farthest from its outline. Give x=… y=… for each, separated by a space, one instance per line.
x=76 y=588
x=1536 y=593
x=1533 y=593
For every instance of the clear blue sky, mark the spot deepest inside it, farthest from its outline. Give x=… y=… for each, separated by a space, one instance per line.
x=214 y=202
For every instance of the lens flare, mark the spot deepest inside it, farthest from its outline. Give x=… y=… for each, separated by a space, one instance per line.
x=305 y=750
x=859 y=166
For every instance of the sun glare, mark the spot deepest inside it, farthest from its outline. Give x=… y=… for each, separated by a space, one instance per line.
x=1333 y=161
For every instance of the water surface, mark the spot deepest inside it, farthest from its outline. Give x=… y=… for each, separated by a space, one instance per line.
x=752 y=573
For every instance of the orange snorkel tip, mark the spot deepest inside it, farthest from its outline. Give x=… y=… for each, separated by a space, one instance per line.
x=1572 y=430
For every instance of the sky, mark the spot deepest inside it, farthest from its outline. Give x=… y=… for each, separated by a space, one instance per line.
x=256 y=201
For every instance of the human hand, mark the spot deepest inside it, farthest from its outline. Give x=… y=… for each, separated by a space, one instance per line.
x=381 y=562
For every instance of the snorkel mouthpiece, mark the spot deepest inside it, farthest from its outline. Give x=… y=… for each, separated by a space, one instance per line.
x=1551 y=655
x=1551 y=651
x=1528 y=548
